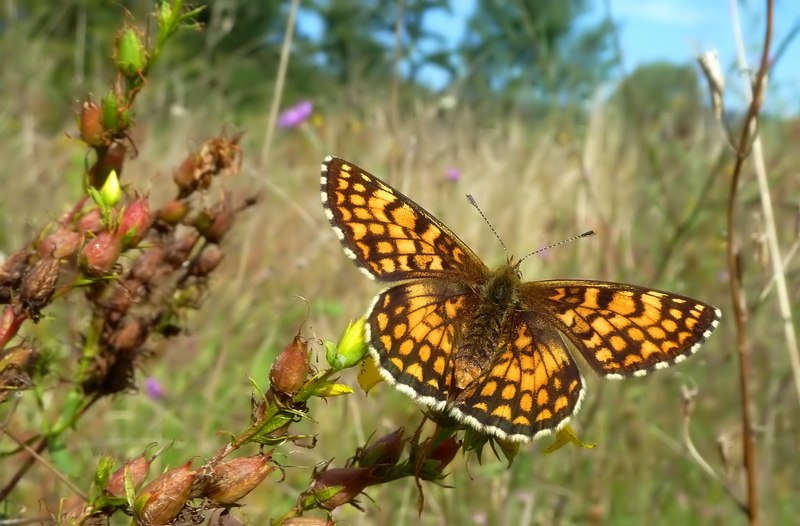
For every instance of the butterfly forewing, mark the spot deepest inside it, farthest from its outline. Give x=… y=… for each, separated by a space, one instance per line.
x=621 y=329
x=387 y=234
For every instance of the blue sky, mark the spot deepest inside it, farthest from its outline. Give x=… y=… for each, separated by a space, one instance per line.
x=675 y=31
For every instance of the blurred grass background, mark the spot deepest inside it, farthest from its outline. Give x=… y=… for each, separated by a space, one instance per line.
x=647 y=167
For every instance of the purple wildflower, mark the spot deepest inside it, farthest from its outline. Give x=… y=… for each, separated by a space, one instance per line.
x=296 y=115
x=154 y=389
x=452 y=174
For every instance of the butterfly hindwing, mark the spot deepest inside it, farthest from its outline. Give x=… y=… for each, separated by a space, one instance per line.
x=411 y=331
x=531 y=388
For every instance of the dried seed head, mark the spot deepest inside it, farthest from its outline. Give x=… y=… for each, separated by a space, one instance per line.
x=161 y=500
x=385 y=451
x=16 y=366
x=173 y=212
x=61 y=244
x=134 y=222
x=14 y=267
x=138 y=469
x=100 y=253
x=232 y=480
x=290 y=368
x=39 y=284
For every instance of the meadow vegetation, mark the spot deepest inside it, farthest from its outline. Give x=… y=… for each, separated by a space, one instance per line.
x=649 y=168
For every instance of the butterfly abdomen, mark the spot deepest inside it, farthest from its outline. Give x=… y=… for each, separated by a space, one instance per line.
x=479 y=340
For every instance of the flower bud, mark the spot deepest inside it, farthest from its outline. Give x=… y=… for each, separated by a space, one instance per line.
x=385 y=451
x=234 y=479
x=100 y=253
x=39 y=283
x=290 y=368
x=131 y=55
x=91 y=222
x=173 y=212
x=60 y=244
x=138 y=469
x=161 y=500
x=111 y=191
x=91 y=124
x=337 y=486
x=134 y=222
x=351 y=347
x=110 y=112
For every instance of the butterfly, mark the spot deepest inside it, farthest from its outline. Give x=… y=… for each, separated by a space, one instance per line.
x=482 y=345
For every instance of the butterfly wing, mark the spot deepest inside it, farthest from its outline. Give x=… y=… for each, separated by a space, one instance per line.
x=388 y=235
x=620 y=329
x=411 y=331
x=530 y=389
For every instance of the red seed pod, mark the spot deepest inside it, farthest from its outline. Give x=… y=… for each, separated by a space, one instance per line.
x=385 y=451
x=39 y=284
x=290 y=368
x=91 y=124
x=173 y=212
x=111 y=159
x=138 y=469
x=445 y=452
x=186 y=176
x=60 y=244
x=134 y=222
x=161 y=500
x=232 y=480
x=350 y=481
x=100 y=253
x=91 y=222
x=208 y=260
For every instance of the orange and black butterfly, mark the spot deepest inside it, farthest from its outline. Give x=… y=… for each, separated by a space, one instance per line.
x=482 y=345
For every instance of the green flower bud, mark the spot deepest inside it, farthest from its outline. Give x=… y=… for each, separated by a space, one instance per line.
x=111 y=191
x=131 y=56
x=351 y=347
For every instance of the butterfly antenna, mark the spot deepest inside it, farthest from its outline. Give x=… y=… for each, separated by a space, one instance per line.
x=475 y=204
x=588 y=233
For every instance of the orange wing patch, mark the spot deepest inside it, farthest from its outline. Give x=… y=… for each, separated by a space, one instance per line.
x=531 y=388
